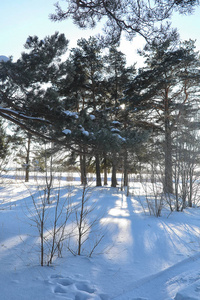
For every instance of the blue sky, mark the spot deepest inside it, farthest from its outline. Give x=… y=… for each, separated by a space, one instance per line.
x=21 y=18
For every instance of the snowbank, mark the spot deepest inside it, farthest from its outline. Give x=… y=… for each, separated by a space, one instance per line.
x=192 y=292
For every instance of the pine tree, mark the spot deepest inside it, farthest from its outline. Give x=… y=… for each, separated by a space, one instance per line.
x=118 y=79
x=162 y=90
x=24 y=97
x=83 y=93
x=147 y=18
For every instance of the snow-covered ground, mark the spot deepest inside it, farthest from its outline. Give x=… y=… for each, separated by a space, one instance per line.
x=140 y=256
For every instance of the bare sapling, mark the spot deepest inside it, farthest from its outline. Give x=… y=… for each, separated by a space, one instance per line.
x=58 y=233
x=88 y=224
x=51 y=234
x=153 y=189
x=81 y=220
x=38 y=216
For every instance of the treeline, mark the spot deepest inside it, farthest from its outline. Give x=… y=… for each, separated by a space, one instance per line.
x=96 y=110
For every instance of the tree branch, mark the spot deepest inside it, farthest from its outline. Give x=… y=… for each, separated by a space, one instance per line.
x=19 y=115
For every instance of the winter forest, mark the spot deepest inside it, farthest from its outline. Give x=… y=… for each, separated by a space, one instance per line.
x=100 y=160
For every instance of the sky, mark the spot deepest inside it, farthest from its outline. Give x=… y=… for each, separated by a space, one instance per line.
x=22 y=18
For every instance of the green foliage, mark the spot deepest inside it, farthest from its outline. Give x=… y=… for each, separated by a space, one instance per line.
x=147 y=18
x=94 y=106
x=164 y=93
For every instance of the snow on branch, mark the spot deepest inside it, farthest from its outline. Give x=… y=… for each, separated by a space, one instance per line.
x=71 y=114
x=7 y=111
x=23 y=126
x=116 y=123
x=67 y=131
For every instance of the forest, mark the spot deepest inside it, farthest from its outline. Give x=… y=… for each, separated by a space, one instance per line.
x=99 y=115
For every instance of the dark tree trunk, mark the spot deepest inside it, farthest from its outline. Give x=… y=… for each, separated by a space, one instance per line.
x=191 y=187
x=114 y=173
x=83 y=169
x=105 y=180
x=28 y=159
x=168 y=181
x=105 y=171
x=125 y=169
x=98 y=171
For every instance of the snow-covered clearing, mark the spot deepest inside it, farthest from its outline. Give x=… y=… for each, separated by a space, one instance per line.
x=140 y=256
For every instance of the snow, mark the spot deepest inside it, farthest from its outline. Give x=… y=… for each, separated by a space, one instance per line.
x=71 y=114
x=140 y=257
x=84 y=132
x=191 y=292
x=120 y=137
x=67 y=131
x=115 y=130
x=3 y=58
x=92 y=117
x=9 y=111
x=116 y=122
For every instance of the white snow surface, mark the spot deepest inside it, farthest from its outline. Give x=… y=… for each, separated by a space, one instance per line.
x=141 y=257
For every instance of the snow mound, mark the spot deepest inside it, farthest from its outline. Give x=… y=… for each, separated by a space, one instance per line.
x=191 y=292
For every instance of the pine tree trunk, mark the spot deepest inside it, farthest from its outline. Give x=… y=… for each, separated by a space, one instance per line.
x=125 y=169
x=105 y=171
x=190 y=187
x=105 y=176
x=83 y=169
x=114 y=173
x=28 y=159
x=184 y=189
x=168 y=182
x=98 y=171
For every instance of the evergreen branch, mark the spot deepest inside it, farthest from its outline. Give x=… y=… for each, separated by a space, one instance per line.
x=19 y=115
x=24 y=126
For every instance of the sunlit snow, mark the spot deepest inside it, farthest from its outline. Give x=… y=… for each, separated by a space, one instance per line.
x=139 y=257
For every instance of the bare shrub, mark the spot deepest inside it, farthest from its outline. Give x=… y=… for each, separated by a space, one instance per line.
x=87 y=224
x=51 y=234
